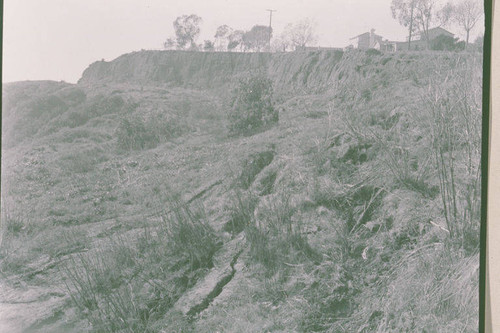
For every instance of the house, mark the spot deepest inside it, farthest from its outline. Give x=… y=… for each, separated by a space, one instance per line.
x=432 y=33
x=370 y=40
x=419 y=40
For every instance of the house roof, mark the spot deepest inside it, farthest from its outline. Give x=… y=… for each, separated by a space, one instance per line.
x=366 y=33
x=439 y=28
x=432 y=30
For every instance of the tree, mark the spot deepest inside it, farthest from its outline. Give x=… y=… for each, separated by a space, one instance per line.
x=252 y=106
x=257 y=38
x=420 y=15
x=445 y=14
x=187 y=30
x=235 y=39
x=301 y=33
x=404 y=12
x=280 y=44
x=424 y=11
x=169 y=44
x=208 y=46
x=222 y=37
x=466 y=14
x=427 y=16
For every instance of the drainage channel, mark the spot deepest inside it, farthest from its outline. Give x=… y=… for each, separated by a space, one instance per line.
x=217 y=290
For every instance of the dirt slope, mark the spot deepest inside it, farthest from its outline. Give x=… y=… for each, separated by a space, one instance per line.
x=330 y=220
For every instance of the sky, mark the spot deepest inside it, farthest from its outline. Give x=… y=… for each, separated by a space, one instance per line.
x=58 y=39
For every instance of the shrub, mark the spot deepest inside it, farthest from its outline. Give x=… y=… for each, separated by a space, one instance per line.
x=435 y=152
x=252 y=106
x=454 y=115
x=479 y=43
x=446 y=43
x=189 y=235
x=373 y=52
x=13 y=224
x=133 y=135
x=275 y=237
x=241 y=211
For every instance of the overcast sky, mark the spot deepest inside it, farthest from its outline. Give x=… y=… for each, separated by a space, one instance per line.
x=58 y=39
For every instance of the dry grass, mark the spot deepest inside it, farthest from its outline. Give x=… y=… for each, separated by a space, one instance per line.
x=429 y=289
x=276 y=236
x=345 y=215
x=133 y=283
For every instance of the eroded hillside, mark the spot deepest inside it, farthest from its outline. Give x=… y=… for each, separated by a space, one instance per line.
x=127 y=206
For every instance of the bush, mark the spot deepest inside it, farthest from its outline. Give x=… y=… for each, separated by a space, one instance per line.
x=189 y=235
x=133 y=135
x=373 y=52
x=275 y=237
x=241 y=211
x=479 y=44
x=454 y=113
x=446 y=43
x=252 y=106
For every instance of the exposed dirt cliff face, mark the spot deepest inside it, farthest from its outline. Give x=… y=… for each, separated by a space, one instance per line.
x=290 y=71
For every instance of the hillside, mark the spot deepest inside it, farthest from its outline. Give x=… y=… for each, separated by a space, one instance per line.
x=128 y=205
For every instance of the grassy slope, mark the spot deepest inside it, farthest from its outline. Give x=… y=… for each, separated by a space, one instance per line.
x=352 y=166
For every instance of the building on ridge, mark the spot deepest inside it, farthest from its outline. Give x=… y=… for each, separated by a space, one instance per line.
x=370 y=40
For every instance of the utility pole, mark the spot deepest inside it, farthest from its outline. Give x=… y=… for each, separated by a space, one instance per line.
x=270 y=29
x=412 y=4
